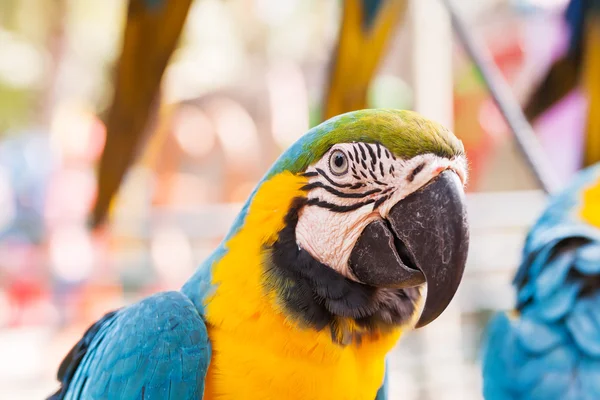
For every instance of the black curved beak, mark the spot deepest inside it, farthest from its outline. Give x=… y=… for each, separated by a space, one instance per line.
x=425 y=239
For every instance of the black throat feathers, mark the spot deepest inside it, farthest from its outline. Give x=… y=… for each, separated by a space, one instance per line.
x=321 y=298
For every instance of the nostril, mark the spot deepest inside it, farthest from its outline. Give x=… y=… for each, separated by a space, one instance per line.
x=415 y=172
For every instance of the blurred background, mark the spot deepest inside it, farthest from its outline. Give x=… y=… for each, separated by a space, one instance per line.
x=245 y=79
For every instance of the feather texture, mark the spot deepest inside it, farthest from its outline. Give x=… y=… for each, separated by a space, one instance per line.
x=155 y=349
x=549 y=348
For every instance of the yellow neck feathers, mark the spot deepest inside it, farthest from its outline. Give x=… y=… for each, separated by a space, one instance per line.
x=248 y=329
x=590 y=208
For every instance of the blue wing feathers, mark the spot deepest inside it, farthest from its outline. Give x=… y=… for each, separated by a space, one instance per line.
x=550 y=348
x=155 y=349
x=73 y=359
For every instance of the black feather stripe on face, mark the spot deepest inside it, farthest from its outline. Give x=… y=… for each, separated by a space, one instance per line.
x=362 y=152
x=320 y=297
x=331 y=181
x=373 y=157
x=366 y=168
x=337 y=193
x=337 y=207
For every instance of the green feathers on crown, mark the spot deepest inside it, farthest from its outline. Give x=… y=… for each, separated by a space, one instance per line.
x=404 y=133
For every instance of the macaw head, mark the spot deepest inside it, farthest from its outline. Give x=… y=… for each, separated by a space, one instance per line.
x=370 y=208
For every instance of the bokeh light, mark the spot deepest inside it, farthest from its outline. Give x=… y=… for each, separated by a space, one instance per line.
x=7 y=205
x=237 y=133
x=194 y=131
x=289 y=102
x=172 y=254
x=71 y=253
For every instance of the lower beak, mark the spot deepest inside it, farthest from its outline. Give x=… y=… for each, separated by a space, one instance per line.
x=425 y=239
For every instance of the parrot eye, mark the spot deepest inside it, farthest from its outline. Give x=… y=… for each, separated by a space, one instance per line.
x=338 y=163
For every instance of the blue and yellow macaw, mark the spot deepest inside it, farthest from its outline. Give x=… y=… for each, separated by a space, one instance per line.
x=366 y=29
x=579 y=64
x=313 y=285
x=549 y=347
x=152 y=31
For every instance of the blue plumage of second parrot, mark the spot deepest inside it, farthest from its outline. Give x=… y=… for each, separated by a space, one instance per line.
x=549 y=347
x=314 y=283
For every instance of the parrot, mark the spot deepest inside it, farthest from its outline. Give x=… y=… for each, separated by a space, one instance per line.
x=366 y=29
x=357 y=233
x=549 y=346
x=578 y=65
x=152 y=32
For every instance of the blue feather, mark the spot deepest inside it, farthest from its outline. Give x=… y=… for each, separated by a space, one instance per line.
x=557 y=305
x=501 y=341
x=551 y=349
x=553 y=275
x=157 y=348
x=537 y=337
x=590 y=377
x=540 y=260
x=552 y=386
x=583 y=326
x=587 y=259
x=526 y=293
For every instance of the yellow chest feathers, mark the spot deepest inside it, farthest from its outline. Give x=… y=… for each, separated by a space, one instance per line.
x=258 y=353
x=278 y=367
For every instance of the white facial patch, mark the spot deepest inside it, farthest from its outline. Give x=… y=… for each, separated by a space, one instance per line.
x=354 y=184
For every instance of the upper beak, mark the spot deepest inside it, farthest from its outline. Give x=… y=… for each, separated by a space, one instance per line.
x=425 y=239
